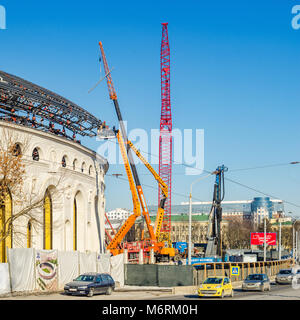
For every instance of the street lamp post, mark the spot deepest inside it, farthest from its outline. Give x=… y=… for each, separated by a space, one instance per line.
x=265 y=247
x=190 y=218
x=294 y=241
x=279 y=249
x=296 y=247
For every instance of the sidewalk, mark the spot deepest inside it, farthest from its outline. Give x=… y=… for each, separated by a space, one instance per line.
x=139 y=288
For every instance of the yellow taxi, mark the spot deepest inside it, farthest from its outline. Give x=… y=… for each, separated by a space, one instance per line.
x=216 y=287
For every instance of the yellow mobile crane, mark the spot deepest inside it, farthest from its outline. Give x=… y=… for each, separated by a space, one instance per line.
x=160 y=247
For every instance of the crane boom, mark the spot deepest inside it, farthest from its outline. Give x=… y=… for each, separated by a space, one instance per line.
x=113 y=96
x=136 y=205
x=163 y=187
x=165 y=138
x=126 y=145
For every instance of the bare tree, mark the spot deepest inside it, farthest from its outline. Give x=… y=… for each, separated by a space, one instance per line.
x=237 y=234
x=27 y=202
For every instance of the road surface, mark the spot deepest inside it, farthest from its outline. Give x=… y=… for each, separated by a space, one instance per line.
x=278 y=292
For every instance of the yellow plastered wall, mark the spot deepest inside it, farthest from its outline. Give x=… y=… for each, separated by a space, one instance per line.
x=74 y=225
x=47 y=222
x=5 y=213
x=29 y=235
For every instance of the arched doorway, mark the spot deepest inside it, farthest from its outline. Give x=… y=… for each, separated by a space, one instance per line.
x=48 y=222
x=5 y=214
x=79 y=220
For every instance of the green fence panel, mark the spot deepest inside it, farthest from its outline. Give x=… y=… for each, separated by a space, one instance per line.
x=141 y=275
x=172 y=276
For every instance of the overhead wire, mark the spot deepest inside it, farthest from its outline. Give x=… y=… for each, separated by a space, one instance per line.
x=238 y=183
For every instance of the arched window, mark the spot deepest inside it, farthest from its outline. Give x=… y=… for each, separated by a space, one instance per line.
x=75 y=225
x=29 y=236
x=47 y=221
x=63 y=162
x=74 y=164
x=35 y=154
x=17 y=150
x=90 y=170
x=83 y=167
x=5 y=214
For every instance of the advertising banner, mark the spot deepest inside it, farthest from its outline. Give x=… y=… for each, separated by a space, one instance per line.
x=257 y=238
x=46 y=270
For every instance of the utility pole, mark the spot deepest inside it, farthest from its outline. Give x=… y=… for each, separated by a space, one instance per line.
x=190 y=231
x=265 y=242
x=279 y=249
x=293 y=244
x=296 y=247
x=190 y=218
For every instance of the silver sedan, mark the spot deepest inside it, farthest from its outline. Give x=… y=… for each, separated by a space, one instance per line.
x=259 y=282
x=286 y=276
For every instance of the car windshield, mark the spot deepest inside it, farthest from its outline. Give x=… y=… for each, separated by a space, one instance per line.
x=85 y=278
x=213 y=281
x=255 y=277
x=285 y=271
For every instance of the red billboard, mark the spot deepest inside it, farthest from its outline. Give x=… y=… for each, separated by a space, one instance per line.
x=257 y=238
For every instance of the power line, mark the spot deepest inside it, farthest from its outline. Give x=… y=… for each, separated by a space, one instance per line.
x=265 y=166
x=238 y=183
x=148 y=186
x=258 y=191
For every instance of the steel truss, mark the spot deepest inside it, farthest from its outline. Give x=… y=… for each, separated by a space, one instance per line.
x=28 y=104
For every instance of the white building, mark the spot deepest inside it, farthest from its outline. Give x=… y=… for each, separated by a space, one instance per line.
x=70 y=179
x=118 y=214
x=260 y=214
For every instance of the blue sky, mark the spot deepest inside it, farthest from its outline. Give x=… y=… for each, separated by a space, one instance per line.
x=234 y=73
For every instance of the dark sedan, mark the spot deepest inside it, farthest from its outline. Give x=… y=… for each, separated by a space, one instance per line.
x=257 y=282
x=90 y=284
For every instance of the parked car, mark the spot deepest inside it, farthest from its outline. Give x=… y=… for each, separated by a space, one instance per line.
x=257 y=281
x=286 y=276
x=90 y=284
x=216 y=287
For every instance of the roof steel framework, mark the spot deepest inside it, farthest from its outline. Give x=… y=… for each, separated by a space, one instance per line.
x=28 y=104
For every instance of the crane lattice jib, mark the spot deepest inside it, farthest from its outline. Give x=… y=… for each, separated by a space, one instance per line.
x=111 y=88
x=165 y=139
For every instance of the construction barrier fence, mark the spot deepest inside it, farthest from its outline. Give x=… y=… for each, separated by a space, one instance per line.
x=204 y=270
x=33 y=270
x=193 y=275
x=158 y=275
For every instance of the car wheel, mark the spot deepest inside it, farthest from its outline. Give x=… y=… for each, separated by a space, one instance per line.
x=91 y=292
x=109 y=291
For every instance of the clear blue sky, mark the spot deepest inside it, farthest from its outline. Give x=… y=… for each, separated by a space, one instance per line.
x=234 y=73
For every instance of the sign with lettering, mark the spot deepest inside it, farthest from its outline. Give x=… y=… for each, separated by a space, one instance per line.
x=257 y=238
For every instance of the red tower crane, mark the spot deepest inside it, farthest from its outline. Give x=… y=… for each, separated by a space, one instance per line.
x=165 y=138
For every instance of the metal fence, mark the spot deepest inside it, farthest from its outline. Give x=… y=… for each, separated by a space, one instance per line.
x=204 y=270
